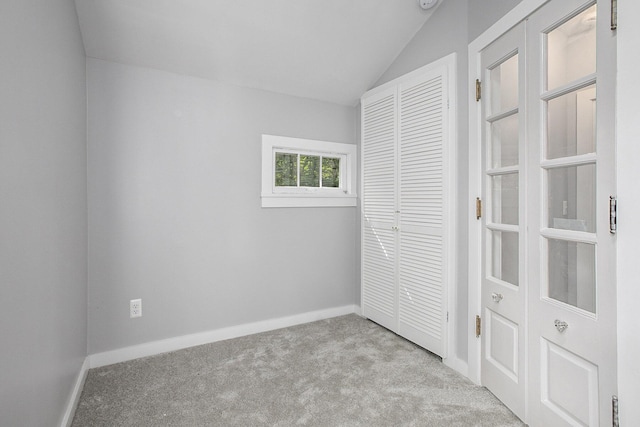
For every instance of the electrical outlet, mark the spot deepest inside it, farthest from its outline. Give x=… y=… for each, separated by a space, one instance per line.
x=135 y=308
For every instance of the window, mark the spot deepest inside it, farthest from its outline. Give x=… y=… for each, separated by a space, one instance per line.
x=304 y=172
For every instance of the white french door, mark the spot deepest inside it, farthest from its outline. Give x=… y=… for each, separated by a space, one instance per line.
x=548 y=258
x=504 y=281
x=572 y=325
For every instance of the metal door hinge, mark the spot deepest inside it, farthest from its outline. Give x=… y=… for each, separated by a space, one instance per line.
x=447 y=316
x=478 y=326
x=613 y=215
x=614 y=15
x=478 y=208
x=478 y=90
x=614 y=411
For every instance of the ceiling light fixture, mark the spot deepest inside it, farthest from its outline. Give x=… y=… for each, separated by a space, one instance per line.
x=427 y=4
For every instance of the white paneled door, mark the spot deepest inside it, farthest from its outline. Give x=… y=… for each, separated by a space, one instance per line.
x=548 y=276
x=504 y=284
x=406 y=205
x=572 y=308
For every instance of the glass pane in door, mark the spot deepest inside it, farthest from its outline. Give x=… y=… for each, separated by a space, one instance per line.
x=504 y=142
x=571 y=124
x=571 y=49
x=504 y=256
x=504 y=86
x=505 y=199
x=572 y=273
x=572 y=198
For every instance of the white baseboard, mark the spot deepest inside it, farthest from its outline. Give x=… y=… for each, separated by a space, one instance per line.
x=72 y=404
x=457 y=365
x=171 y=344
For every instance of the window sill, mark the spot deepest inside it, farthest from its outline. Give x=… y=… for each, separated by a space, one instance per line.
x=304 y=200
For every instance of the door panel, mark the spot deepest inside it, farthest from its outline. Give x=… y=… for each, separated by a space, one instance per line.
x=575 y=399
x=503 y=287
x=503 y=339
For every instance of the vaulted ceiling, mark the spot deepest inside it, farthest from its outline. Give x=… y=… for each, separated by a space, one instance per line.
x=329 y=50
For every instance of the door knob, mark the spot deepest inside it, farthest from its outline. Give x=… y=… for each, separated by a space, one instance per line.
x=496 y=297
x=560 y=325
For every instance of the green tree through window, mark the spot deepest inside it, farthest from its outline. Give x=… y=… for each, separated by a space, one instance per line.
x=309 y=171
x=306 y=169
x=286 y=170
x=330 y=172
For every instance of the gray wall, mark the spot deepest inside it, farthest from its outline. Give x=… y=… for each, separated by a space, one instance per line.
x=174 y=208
x=444 y=33
x=43 y=220
x=484 y=13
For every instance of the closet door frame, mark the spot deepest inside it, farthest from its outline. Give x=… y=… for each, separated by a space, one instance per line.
x=450 y=211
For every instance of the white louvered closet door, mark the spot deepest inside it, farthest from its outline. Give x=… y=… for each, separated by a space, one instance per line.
x=421 y=306
x=406 y=205
x=379 y=239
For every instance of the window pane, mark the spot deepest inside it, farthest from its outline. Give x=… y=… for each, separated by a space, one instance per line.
x=572 y=198
x=309 y=171
x=571 y=124
x=330 y=172
x=504 y=86
x=504 y=256
x=504 y=192
x=572 y=273
x=286 y=170
x=571 y=49
x=504 y=142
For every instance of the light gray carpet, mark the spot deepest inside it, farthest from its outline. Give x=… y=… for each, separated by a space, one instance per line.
x=345 y=371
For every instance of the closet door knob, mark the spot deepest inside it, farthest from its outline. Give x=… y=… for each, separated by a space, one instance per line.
x=496 y=297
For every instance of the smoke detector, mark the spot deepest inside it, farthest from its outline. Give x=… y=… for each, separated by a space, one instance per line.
x=427 y=4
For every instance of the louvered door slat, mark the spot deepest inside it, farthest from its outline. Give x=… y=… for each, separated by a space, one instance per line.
x=379 y=138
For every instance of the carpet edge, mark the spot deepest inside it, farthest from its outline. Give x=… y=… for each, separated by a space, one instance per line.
x=153 y=348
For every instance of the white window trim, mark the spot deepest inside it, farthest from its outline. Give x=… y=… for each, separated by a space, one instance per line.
x=273 y=197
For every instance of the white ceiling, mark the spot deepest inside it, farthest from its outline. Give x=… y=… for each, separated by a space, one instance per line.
x=330 y=50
